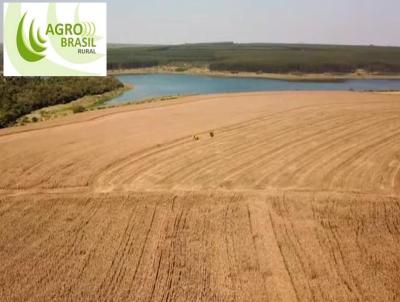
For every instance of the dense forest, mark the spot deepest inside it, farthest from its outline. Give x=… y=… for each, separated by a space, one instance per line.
x=22 y=95
x=269 y=58
x=261 y=57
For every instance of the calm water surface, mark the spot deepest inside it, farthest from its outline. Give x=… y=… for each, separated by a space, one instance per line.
x=149 y=86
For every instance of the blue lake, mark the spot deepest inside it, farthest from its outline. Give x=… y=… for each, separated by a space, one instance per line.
x=147 y=86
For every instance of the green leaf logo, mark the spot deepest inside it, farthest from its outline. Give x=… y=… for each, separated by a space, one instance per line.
x=33 y=51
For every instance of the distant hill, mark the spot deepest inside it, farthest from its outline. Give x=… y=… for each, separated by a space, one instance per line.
x=123 y=45
x=256 y=57
x=260 y=57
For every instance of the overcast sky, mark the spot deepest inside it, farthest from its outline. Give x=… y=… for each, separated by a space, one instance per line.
x=289 y=21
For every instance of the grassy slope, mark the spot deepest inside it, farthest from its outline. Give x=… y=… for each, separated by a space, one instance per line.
x=21 y=95
x=85 y=103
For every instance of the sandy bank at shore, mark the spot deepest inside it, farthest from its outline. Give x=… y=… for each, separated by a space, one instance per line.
x=328 y=77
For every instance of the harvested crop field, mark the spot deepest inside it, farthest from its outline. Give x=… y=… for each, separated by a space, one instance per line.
x=294 y=198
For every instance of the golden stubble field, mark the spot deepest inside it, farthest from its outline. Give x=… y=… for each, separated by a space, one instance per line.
x=295 y=198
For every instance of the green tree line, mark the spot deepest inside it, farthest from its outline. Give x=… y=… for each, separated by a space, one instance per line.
x=22 y=95
x=269 y=58
x=257 y=57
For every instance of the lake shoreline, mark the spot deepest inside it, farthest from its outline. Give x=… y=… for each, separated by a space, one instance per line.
x=86 y=103
x=324 y=77
x=156 y=85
